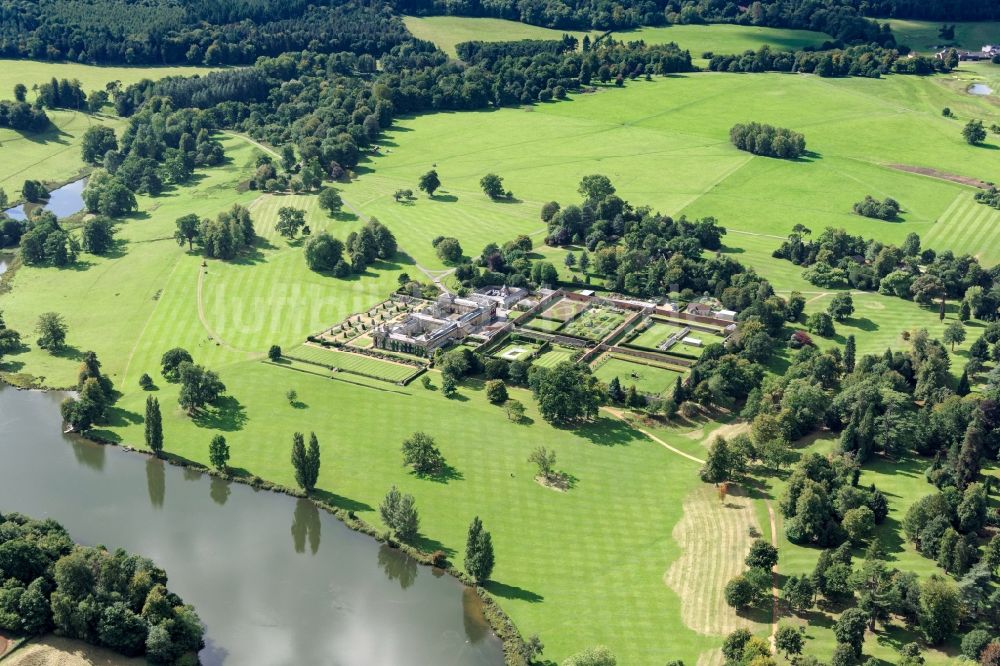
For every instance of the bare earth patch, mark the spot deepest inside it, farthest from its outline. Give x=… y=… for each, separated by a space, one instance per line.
x=714 y=538
x=941 y=175
x=56 y=651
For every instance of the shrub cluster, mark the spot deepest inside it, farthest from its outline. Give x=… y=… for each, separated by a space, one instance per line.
x=767 y=140
x=880 y=210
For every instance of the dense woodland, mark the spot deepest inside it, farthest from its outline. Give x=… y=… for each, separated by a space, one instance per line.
x=113 y=599
x=216 y=33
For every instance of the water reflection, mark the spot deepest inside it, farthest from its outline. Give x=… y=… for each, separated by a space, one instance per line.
x=305 y=524
x=63 y=201
x=476 y=627
x=156 y=482
x=357 y=605
x=219 y=490
x=397 y=566
x=90 y=455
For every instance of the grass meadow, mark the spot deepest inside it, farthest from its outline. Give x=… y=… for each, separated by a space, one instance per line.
x=54 y=156
x=447 y=31
x=598 y=563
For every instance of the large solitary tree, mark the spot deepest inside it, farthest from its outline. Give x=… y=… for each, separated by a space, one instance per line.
x=429 y=182
x=479 y=559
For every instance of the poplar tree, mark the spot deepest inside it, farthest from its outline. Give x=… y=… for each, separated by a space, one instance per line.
x=154 y=426
x=850 y=351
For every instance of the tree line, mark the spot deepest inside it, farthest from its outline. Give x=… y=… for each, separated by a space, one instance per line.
x=866 y=60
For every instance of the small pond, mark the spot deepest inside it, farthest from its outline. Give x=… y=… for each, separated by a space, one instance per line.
x=63 y=201
x=980 y=89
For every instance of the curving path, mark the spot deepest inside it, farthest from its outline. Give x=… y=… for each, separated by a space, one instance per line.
x=620 y=415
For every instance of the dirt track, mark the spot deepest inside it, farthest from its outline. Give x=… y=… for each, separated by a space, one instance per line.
x=940 y=175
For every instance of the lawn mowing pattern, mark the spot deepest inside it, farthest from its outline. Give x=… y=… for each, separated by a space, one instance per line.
x=715 y=538
x=615 y=536
x=651 y=379
x=354 y=363
x=654 y=336
x=968 y=227
x=546 y=325
x=564 y=309
x=594 y=324
x=554 y=355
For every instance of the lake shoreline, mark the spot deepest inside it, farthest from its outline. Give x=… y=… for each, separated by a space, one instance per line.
x=500 y=623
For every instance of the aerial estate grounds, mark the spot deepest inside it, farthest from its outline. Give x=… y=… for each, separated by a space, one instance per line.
x=618 y=554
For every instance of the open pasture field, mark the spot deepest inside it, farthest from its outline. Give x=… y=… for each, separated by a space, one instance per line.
x=93 y=77
x=665 y=143
x=52 y=156
x=923 y=36
x=655 y=335
x=447 y=31
x=725 y=38
x=647 y=376
x=353 y=363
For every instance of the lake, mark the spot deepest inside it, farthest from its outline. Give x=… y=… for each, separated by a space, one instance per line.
x=63 y=201
x=275 y=580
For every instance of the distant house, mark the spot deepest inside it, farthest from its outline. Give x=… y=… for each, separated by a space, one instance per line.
x=991 y=49
x=699 y=309
x=967 y=56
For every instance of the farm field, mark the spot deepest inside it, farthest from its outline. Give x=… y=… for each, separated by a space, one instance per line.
x=725 y=38
x=923 y=35
x=354 y=363
x=446 y=31
x=647 y=378
x=92 y=77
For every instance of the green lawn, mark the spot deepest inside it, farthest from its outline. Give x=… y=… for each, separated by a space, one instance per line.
x=647 y=378
x=520 y=350
x=53 y=156
x=725 y=38
x=354 y=363
x=554 y=355
x=582 y=567
x=923 y=35
x=543 y=324
x=92 y=77
x=655 y=335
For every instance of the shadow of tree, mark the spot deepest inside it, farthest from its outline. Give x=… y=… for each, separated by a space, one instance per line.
x=226 y=414
x=513 y=592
